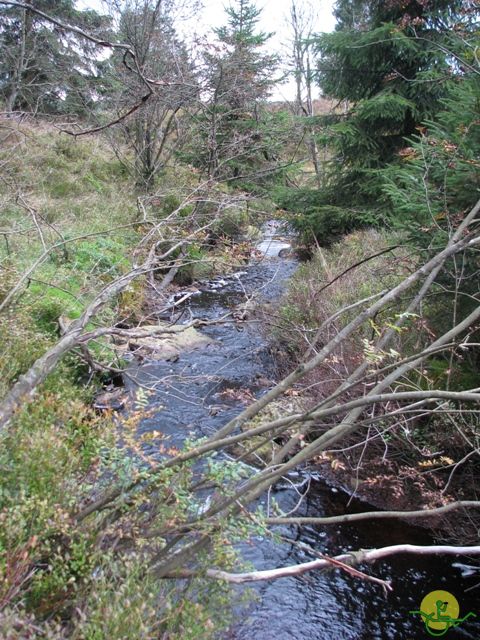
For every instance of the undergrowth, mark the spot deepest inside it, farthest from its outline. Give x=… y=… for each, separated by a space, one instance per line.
x=60 y=577
x=330 y=282
x=408 y=459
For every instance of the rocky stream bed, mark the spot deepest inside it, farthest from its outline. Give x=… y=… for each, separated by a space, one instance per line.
x=204 y=387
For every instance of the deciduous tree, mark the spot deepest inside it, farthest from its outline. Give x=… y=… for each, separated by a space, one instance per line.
x=157 y=129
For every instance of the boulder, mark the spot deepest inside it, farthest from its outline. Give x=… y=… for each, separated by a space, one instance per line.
x=113 y=400
x=163 y=342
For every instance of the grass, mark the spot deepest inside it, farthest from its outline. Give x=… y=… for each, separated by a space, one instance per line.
x=59 y=579
x=69 y=189
x=311 y=300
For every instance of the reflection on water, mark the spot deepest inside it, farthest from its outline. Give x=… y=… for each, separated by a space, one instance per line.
x=328 y=605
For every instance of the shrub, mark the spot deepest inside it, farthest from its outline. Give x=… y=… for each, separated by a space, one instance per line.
x=311 y=300
x=102 y=255
x=315 y=220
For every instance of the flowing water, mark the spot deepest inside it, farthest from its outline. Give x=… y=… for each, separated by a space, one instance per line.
x=199 y=392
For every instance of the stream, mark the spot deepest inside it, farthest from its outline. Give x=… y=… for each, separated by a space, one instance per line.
x=193 y=401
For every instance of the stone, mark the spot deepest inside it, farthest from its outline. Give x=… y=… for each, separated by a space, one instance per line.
x=164 y=346
x=110 y=400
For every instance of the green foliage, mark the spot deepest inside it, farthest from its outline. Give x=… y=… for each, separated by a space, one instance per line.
x=314 y=219
x=383 y=110
x=435 y=179
x=102 y=255
x=433 y=184
x=131 y=301
x=48 y=304
x=170 y=203
x=123 y=602
x=390 y=65
x=40 y=71
x=21 y=344
x=196 y=265
x=69 y=148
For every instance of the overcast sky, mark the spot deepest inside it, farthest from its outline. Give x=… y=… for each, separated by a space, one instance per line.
x=273 y=19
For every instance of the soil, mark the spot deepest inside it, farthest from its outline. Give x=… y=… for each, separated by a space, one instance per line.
x=392 y=486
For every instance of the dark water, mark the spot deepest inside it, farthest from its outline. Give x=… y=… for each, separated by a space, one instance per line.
x=320 y=606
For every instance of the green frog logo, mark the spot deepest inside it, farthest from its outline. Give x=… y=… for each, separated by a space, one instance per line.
x=440 y=612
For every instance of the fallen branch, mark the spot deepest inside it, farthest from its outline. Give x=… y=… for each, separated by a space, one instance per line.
x=346 y=559
x=329 y=348
x=379 y=515
x=24 y=389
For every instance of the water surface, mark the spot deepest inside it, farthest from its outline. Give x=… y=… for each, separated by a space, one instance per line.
x=319 y=606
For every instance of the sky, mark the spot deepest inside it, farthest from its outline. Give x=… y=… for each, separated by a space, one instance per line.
x=273 y=19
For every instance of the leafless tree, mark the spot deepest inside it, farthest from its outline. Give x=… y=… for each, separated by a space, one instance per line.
x=301 y=22
x=158 y=128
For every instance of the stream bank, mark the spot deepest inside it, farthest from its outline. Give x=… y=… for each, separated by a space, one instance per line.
x=200 y=391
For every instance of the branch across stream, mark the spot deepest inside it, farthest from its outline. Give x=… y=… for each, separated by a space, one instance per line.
x=199 y=391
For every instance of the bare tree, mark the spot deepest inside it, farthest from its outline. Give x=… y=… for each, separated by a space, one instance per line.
x=158 y=129
x=302 y=20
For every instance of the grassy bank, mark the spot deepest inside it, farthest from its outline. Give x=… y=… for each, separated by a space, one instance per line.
x=397 y=460
x=70 y=223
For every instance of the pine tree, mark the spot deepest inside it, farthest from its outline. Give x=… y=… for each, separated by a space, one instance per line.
x=246 y=71
x=436 y=179
x=43 y=67
x=235 y=126
x=388 y=64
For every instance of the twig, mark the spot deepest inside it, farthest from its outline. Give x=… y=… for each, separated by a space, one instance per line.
x=347 y=518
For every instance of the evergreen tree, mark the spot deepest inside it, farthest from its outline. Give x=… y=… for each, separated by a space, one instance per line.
x=43 y=67
x=244 y=71
x=388 y=62
x=235 y=127
x=436 y=179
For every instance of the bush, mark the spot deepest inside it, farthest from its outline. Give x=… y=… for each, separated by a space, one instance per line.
x=309 y=302
x=313 y=219
x=103 y=256
x=20 y=345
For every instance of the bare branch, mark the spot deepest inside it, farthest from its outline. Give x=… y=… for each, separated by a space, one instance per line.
x=347 y=518
x=353 y=558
